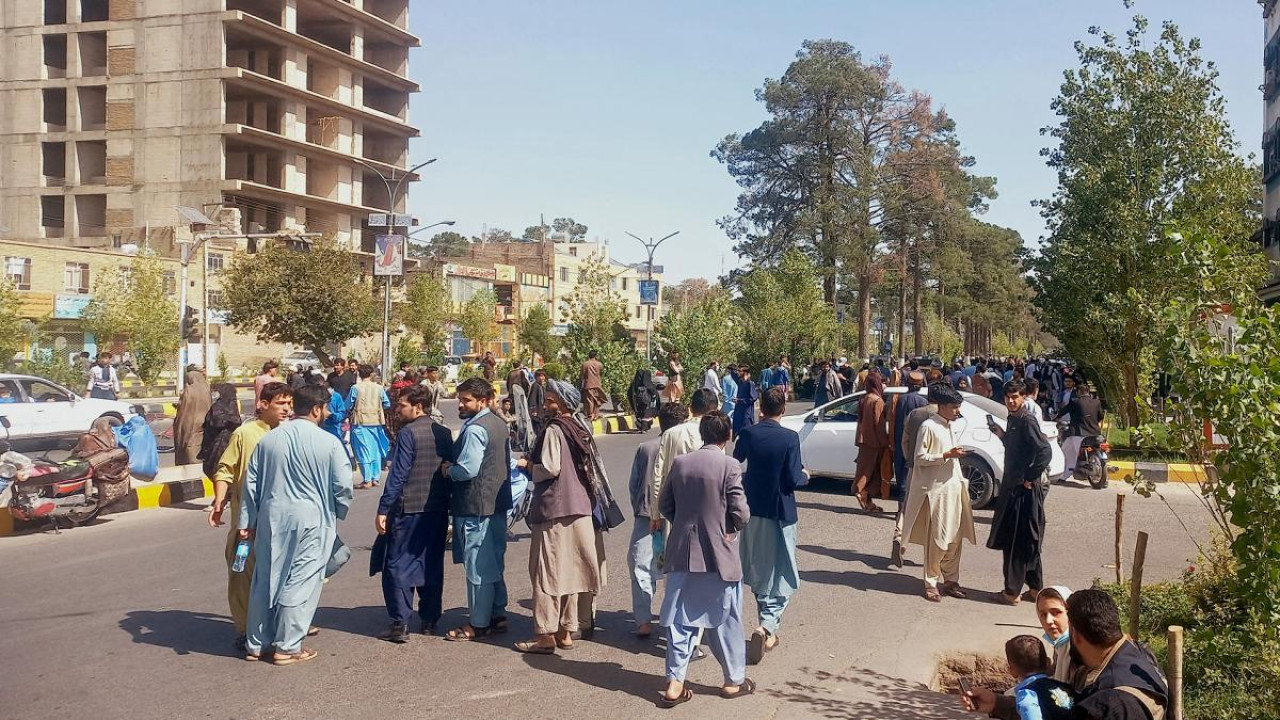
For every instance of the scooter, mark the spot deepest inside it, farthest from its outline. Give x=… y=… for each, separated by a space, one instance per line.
x=1091 y=463
x=64 y=494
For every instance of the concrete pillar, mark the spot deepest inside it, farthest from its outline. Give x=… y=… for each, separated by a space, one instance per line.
x=290 y=16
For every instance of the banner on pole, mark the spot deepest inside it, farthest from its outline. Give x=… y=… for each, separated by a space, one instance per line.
x=648 y=292
x=390 y=257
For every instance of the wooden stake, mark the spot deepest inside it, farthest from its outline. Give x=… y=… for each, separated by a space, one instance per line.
x=1119 y=538
x=1174 y=672
x=1135 y=586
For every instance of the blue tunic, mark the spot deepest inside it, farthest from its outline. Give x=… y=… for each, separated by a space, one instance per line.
x=729 y=387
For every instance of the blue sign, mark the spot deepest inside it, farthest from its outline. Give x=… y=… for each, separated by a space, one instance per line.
x=648 y=292
x=69 y=307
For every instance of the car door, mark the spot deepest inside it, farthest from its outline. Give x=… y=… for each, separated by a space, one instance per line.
x=22 y=413
x=54 y=407
x=827 y=446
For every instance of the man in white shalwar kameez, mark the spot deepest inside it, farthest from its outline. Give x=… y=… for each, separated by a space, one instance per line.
x=938 y=514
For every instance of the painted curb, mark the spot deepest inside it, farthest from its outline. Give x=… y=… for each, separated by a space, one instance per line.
x=1156 y=472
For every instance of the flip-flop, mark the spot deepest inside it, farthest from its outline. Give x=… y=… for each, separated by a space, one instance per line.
x=747 y=687
x=532 y=648
x=304 y=655
x=667 y=703
x=459 y=635
x=932 y=595
x=755 y=647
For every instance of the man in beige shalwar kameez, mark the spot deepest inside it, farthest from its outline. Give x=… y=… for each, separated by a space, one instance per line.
x=938 y=514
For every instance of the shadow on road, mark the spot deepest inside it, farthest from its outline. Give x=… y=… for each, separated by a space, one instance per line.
x=889 y=582
x=890 y=698
x=183 y=631
x=611 y=676
x=872 y=561
x=843 y=510
x=368 y=620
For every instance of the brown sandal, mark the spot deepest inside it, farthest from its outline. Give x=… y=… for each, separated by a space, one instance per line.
x=931 y=594
x=1001 y=599
x=302 y=656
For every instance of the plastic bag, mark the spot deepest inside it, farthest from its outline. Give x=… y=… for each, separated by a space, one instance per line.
x=138 y=440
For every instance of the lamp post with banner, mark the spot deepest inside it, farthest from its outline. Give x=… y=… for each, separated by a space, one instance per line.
x=649 y=289
x=389 y=249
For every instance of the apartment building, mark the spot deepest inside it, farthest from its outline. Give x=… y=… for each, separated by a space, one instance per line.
x=113 y=112
x=1270 y=234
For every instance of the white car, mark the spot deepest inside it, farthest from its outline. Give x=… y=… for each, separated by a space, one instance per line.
x=828 y=449
x=305 y=358
x=41 y=412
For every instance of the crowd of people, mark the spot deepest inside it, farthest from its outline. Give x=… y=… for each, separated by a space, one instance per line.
x=712 y=498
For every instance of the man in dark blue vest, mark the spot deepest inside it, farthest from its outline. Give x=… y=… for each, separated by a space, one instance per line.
x=481 y=497
x=413 y=518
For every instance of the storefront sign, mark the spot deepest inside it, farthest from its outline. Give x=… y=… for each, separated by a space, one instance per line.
x=471 y=272
x=70 y=307
x=504 y=273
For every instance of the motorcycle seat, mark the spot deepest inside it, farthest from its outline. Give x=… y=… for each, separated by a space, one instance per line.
x=63 y=473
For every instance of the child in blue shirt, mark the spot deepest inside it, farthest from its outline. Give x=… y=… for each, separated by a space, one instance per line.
x=1037 y=695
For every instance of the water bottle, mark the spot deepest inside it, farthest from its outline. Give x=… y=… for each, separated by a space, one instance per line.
x=659 y=539
x=242 y=556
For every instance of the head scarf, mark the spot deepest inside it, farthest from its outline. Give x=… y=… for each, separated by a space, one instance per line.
x=1065 y=592
x=875 y=384
x=567 y=394
x=221 y=420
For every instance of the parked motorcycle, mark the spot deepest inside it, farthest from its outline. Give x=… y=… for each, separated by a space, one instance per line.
x=71 y=493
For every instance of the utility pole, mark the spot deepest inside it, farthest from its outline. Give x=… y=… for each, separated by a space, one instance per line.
x=650 y=248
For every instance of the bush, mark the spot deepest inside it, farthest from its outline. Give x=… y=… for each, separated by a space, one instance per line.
x=555 y=370
x=1231 y=657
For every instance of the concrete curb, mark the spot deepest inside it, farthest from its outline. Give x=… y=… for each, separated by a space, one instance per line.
x=1156 y=472
x=613 y=424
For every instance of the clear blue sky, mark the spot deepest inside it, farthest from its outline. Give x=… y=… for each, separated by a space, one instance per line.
x=607 y=111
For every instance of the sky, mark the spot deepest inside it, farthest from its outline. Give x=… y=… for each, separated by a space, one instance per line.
x=607 y=111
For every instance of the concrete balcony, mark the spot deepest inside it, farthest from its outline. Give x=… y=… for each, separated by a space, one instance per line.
x=245 y=79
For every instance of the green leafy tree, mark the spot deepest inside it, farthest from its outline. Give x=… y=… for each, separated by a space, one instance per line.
x=477 y=319
x=426 y=309
x=574 y=231
x=408 y=350
x=13 y=329
x=782 y=313
x=536 y=233
x=130 y=305
x=445 y=244
x=535 y=333
x=596 y=316
x=311 y=298
x=702 y=332
x=1143 y=145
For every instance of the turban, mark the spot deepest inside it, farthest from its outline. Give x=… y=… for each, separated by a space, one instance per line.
x=567 y=393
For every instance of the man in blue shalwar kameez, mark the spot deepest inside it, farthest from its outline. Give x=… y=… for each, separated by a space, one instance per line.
x=367 y=402
x=413 y=518
x=744 y=405
x=297 y=488
x=768 y=543
x=481 y=497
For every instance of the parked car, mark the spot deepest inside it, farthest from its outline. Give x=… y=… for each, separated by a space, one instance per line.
x=305 y=358
x=828 y=449
x=42 y=414
x=449 y=370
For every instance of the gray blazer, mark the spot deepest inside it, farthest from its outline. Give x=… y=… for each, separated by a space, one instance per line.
x=704 y=501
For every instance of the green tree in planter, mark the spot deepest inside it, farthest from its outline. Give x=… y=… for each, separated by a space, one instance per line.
x=13 y=331
x=782 y=313
x=131 y=305
x=426 y=310
x=704 y=331
x=476 y=317
x=596 y=317
x=535 y=333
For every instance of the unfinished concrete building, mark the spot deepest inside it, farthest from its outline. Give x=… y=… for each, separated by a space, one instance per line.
x=114 y=111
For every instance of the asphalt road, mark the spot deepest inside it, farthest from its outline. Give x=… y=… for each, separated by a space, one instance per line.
x=127 y=619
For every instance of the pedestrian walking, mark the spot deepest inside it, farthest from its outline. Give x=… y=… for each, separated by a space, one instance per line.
x=591 y=383
x=270 y=373
x=562 y=555
x=337 y=412
x=938 y=514
x=729 y=391
x=342 y=377
x=770 y=455
x=711 y=378
x=489 y=366
x=479 y=502
x=413 y=518
x=782 y=376
x=537 y=400
x=872 y=439
x=827 y=386
x=678 y=441
x=707 y=508
x=744 y=404
x=517 y=378
x=104 y=382
x=674 y=391
x=275 y=406
x=903 y=454
x=220 y=421
x=643 y=395
x=1017 y=529
x=297 y=489
x=367 y=403
x=640 y=556
x=188 y=423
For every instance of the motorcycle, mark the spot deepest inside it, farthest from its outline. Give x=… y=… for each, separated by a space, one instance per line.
x=70 y=493
x=1091 y=460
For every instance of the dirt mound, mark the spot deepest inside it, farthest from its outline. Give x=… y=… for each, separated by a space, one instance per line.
x=982 y=670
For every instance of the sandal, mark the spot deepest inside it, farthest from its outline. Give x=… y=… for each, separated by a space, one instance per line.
x=953 y=589
x=533 y=648
x=498 y=625
x=667 y=703
x=747 y=687
x=304 y=655
x=313 y=631
x=565 y=644
x=1001 y=599
x=460 y=634
x=644 y=631
x=755 y=646
x=931 y=594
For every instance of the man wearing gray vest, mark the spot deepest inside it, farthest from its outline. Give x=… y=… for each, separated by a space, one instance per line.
x=481 y=498
x=413 y=518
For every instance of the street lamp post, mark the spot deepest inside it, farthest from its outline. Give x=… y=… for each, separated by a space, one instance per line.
x=392 y=197
x=650 y=248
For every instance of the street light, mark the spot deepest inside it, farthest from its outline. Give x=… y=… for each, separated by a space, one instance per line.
x=650 y=247
x=392 y=196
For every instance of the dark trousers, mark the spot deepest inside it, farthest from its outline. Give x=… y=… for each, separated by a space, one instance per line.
x=415 y=564
x=1022 y=568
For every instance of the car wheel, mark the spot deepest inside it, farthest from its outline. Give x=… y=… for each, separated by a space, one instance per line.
x=982 y=483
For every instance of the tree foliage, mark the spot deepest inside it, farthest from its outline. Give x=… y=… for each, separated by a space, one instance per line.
x=444 y=245
x=571 y=230
x=782 y=313
x=596 y=316
x=13 y=329
x=131 y=305
x=535 y=333
x=477 y=319
x=701 y=332
x=426 y=310
x=311 y=298
x=1143 y=145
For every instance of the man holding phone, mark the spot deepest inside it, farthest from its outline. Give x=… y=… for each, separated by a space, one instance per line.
x=938 y=514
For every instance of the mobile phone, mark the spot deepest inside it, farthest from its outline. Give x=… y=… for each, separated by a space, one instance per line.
x=965 y=687
x=991 y=421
